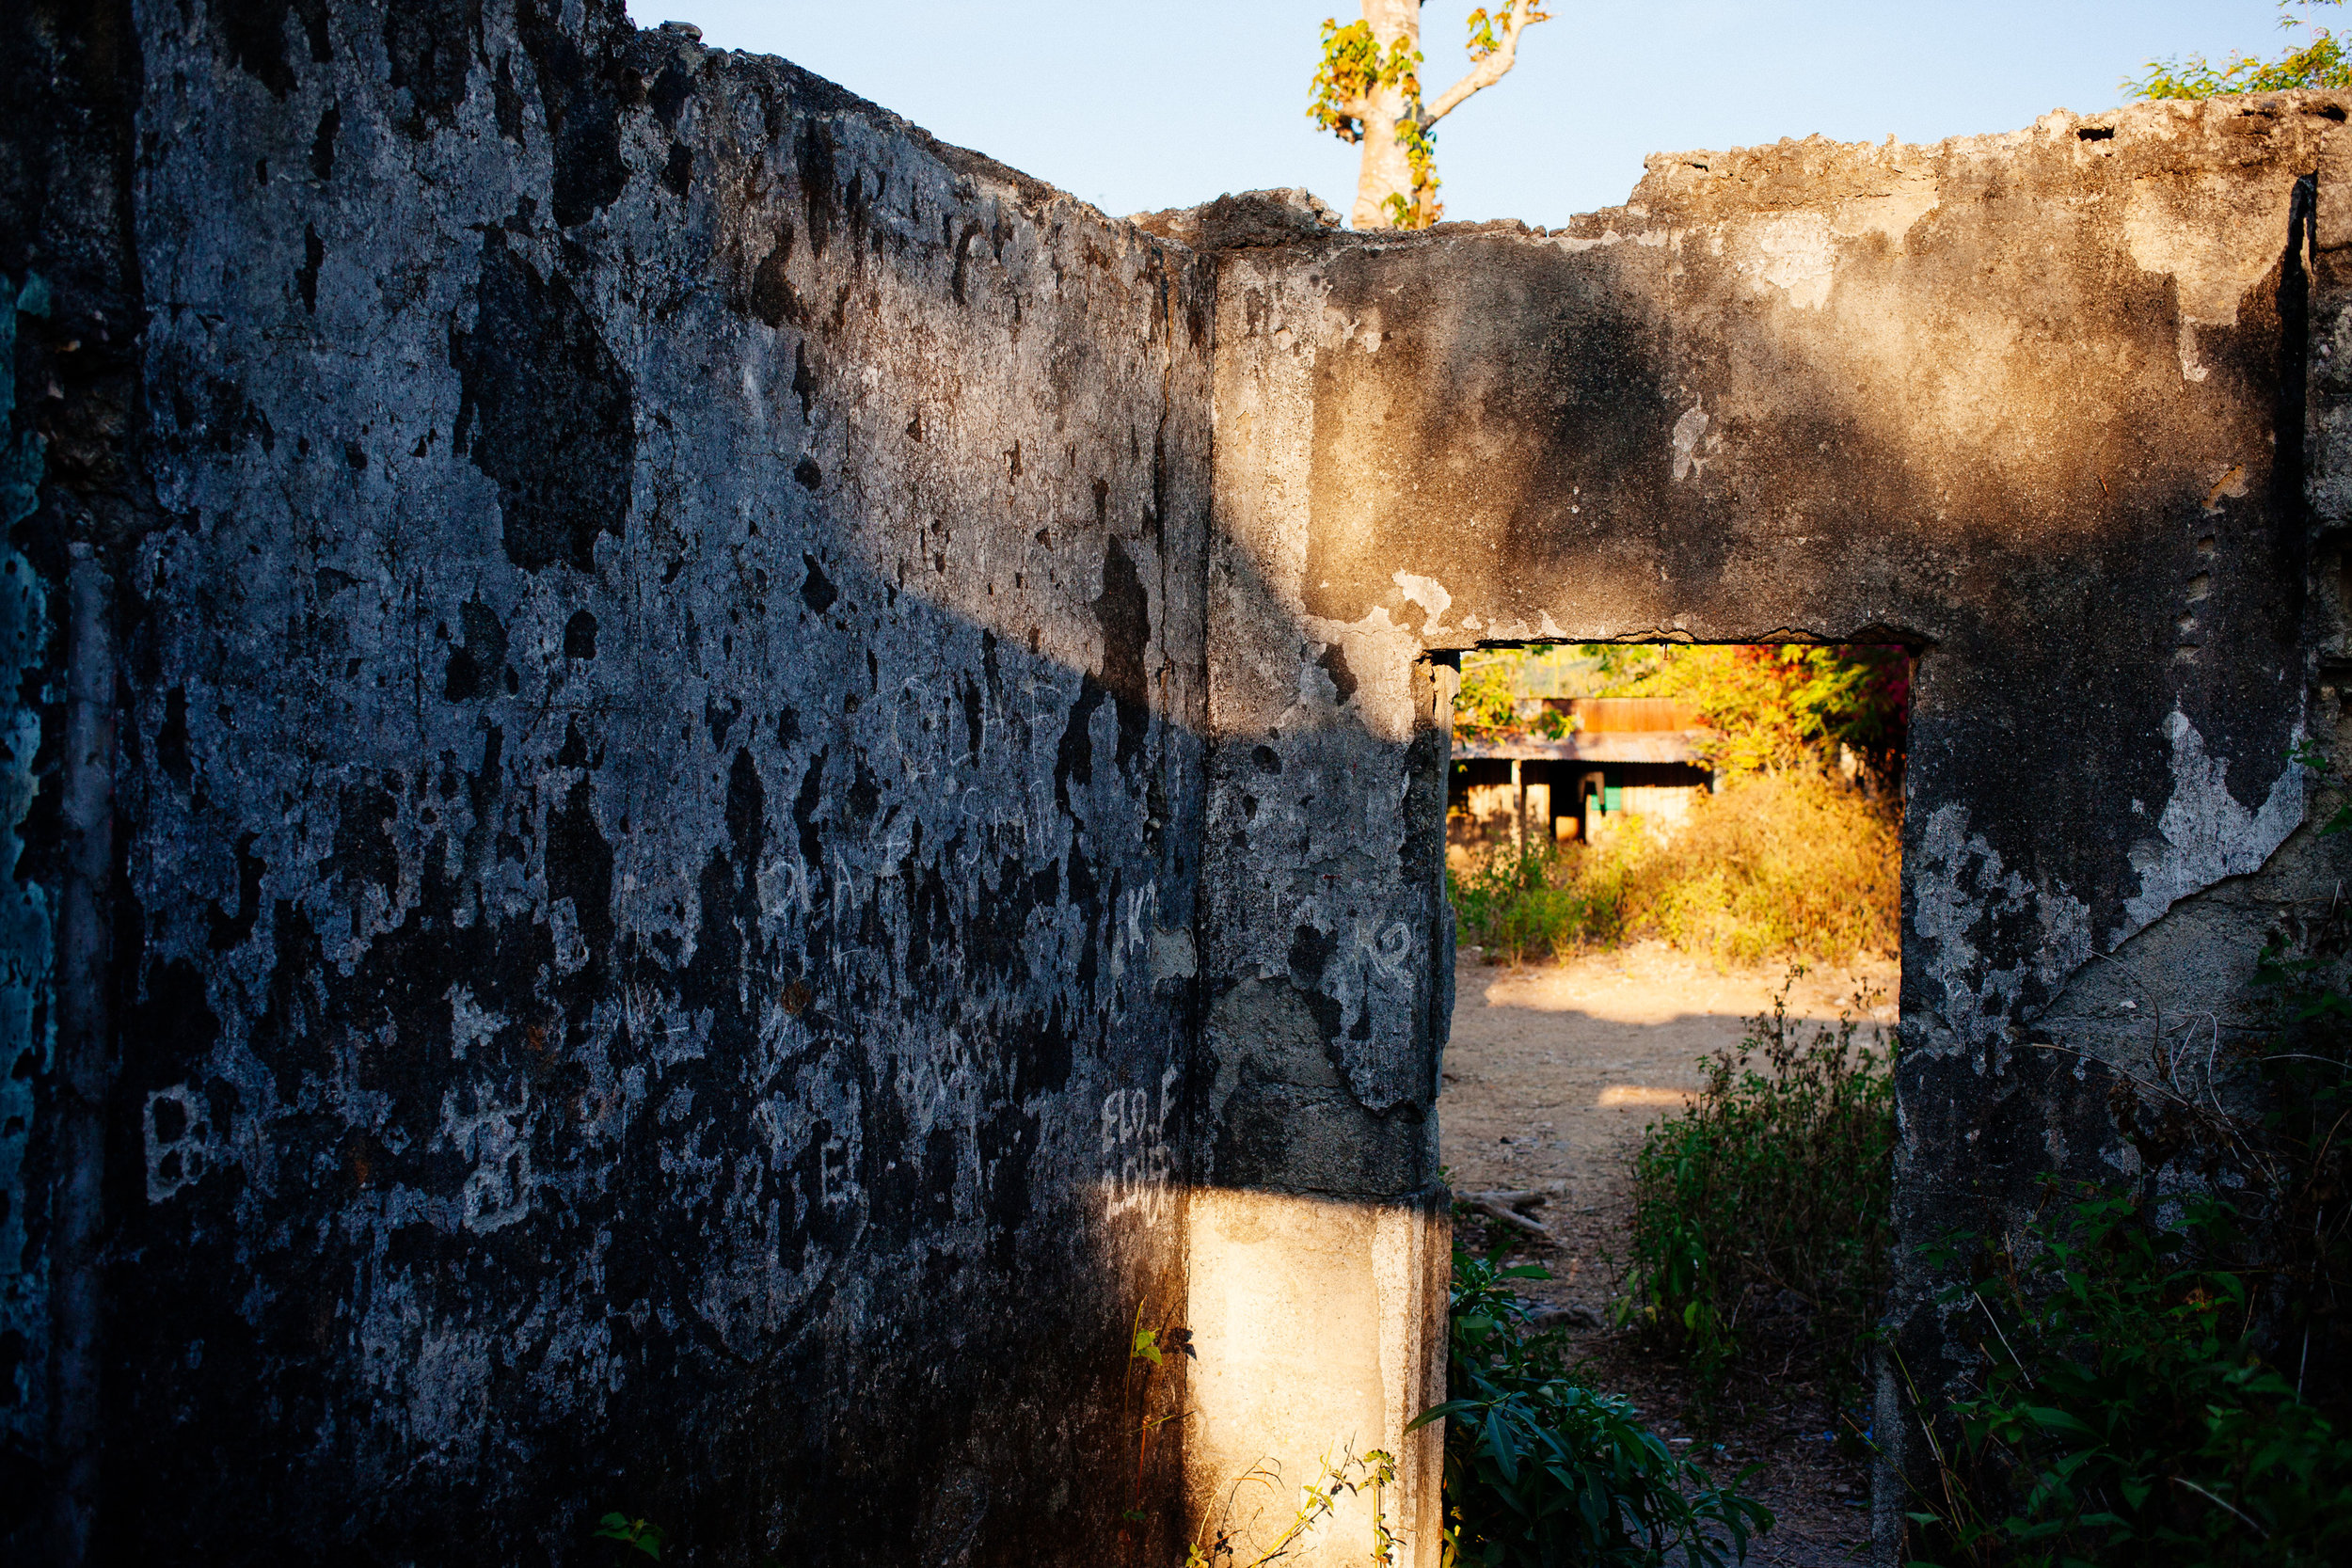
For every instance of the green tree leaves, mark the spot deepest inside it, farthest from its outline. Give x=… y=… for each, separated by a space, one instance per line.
x=1541 y=1468
x=1353 y=67
x=1367 y=91
x=2320 y=63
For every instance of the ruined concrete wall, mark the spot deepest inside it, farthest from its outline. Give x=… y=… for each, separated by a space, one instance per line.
x=70 y=488
x=2031 y=404
x=712 y=874
x=1327 y=971
x=659 y=789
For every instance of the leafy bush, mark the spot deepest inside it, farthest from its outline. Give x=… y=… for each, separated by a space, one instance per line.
x=1543 y=902
x=1771 y=1181
x=1781 y=863
x=2127 y=1412
x=1542 y=1469
x=2163 y=1372
x=1774 y=864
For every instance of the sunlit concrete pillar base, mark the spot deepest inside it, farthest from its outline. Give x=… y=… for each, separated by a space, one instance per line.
x=1320 y=1326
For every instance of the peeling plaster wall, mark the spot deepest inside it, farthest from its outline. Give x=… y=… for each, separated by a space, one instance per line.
x=1328 y=958
x=659 y=796
x=2033 y=403
x=736 y=836
x=27 y=955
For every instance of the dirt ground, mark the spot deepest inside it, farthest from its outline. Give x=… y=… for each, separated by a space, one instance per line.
x=1551 y=1075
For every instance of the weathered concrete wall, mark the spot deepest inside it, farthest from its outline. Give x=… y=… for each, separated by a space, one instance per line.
x=1327 y=956
x=672 y=838
x=69 y=483
x=659 y=797
x=2032 y=403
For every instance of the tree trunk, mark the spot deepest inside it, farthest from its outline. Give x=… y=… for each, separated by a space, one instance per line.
x=1385 y=169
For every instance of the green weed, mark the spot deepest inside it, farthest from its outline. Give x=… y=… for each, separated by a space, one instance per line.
x=1153 y=1357
x=2161 y=1372
x=1226 y=1542
x=1777 y=1181
x=2126 y=1410
x=639 y=1534
x=1542 y=903
x=1542 y=1469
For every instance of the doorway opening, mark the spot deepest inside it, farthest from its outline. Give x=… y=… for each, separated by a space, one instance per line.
x=1651 y=849
x=1740 y=801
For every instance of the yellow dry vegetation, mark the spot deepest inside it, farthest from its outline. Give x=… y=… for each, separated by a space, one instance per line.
x=1777 y=865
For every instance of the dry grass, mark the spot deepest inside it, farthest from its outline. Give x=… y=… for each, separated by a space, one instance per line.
x=1781 y=864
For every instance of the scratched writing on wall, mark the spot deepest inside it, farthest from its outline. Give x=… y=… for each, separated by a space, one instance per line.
x=1137 y=1167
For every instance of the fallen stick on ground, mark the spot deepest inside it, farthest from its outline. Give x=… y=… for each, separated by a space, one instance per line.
x=1501 y=1207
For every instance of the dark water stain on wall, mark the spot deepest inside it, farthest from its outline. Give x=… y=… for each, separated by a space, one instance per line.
x=548 y=413
x=253 y=33
x=618 y=1004
x=431 y=47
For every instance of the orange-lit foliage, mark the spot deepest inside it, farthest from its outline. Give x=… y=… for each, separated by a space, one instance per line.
x=1777 y=705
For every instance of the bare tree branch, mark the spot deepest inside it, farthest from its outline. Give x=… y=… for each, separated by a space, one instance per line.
x=1492 y=67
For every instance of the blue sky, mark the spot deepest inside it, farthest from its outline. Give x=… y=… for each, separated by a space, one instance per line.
x=1136 y=106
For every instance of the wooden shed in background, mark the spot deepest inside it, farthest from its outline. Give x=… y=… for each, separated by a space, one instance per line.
x=1624 y=757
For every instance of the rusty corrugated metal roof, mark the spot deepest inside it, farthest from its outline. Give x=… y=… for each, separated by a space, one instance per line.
x=1607 y=746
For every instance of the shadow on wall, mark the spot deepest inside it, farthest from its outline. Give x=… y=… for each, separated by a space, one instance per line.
x=664 y=805
x=1582 y=456
x=2009 y=401
x=1575 y=439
